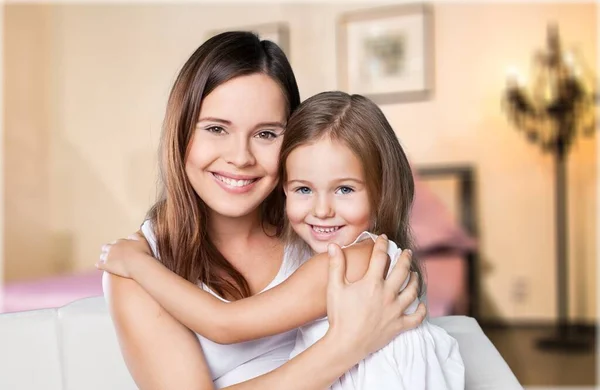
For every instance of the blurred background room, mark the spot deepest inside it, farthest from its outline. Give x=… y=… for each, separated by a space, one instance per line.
x=488 y=99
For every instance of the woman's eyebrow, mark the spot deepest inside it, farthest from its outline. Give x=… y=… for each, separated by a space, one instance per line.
x=228 y=123
x=270 y=124
x=213 y=119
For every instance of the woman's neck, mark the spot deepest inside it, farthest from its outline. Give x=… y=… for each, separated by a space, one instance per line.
x=249 y=246
x=242 y=229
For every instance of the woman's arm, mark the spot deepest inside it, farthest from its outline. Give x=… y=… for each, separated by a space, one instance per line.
x=161 y=354
x=298 y=300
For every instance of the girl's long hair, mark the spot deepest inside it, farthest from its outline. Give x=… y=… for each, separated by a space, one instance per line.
x=359 y=124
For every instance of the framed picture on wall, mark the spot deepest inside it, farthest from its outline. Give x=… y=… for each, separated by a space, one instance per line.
x=387 y=53
x=277 y=32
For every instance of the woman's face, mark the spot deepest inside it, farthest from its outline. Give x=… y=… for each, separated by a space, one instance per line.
x=233 y=155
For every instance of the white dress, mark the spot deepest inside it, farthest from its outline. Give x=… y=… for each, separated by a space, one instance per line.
x=425 y=358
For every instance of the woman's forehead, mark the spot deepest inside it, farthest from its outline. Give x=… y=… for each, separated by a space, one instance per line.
x=254 y=98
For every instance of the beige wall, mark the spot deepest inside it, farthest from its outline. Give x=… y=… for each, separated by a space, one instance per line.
x=1 y=155
x=25 y=139
x=86 y=88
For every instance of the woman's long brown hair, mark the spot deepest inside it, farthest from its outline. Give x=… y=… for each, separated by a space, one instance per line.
x=179 y=217
x=359 y=124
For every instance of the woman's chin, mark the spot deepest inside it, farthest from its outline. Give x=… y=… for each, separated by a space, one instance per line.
x=234 y=209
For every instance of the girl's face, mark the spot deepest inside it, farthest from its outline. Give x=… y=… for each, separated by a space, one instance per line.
x=326 y=194
x=232 y=158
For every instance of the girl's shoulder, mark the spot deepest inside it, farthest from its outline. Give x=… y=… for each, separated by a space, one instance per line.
x=392 y=246
x=294 y=255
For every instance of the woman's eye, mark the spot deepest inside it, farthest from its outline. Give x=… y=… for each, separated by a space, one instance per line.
x=345 y=190
x=266 y=135
x=303 y=190
x=215 y=130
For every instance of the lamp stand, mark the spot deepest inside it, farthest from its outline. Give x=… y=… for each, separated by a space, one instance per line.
x=560 y=108
x=565 y=338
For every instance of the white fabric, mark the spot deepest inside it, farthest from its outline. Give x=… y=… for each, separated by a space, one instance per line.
x=425 y=358
x=28 y=345
x=234 y=363
x=75 y=347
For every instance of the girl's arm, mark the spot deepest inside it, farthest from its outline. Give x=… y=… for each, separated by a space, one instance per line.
x=161 y=354
x=298 y=300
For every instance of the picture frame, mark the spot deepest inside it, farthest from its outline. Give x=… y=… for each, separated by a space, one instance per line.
x=387 y=53
x=277 y=32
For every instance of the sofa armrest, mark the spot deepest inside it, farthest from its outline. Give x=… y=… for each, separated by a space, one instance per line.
x=485 y=369
x=30 y=351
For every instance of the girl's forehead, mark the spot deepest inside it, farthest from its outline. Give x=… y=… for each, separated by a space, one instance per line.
x=323 y=158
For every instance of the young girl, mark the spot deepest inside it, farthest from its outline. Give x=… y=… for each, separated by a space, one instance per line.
x=346 y=179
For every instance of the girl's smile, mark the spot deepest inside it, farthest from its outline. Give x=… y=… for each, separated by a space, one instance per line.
x=327 y=199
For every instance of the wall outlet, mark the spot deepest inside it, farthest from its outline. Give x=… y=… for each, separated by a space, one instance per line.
x=520 y=290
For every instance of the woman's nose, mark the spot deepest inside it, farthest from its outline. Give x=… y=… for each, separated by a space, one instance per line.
x=240 y=154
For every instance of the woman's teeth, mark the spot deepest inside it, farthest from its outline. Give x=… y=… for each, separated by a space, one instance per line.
x=320 y=229
x=233 y=182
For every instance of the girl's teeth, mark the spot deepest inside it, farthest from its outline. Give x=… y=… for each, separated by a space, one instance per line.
x=233 y=182
x=325 y=230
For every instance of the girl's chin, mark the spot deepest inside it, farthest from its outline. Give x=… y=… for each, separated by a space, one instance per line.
x=321 y=246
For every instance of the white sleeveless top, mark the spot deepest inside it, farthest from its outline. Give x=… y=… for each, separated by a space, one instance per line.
x=235 y=363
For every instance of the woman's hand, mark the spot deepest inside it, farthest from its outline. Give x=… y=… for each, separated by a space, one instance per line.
x=119 y=257
x=366 y=315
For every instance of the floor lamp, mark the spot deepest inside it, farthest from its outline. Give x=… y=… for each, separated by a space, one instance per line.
x=558 y=108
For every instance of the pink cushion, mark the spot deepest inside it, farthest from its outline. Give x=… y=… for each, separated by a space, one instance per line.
x=446 y=280
x=50 y=292
x=432 y=225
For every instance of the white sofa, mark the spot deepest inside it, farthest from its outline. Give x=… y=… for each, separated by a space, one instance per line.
x=75 y=348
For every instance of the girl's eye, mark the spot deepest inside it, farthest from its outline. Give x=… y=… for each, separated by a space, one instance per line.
x=303 y=190
x=266 y=134
x=216 y=130
x=344 y=190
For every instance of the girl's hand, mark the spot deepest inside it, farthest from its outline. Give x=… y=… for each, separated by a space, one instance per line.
x=366 y=315
x=120 y=257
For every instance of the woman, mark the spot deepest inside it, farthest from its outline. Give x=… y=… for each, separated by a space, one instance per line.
x=218 y=223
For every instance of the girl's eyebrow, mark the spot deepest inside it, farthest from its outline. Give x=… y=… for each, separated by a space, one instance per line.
x=350 y=179
x=305 y=182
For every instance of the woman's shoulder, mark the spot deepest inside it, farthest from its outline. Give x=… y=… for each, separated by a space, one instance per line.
x=129 y=305
x=126 y=298
x=147 y=229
